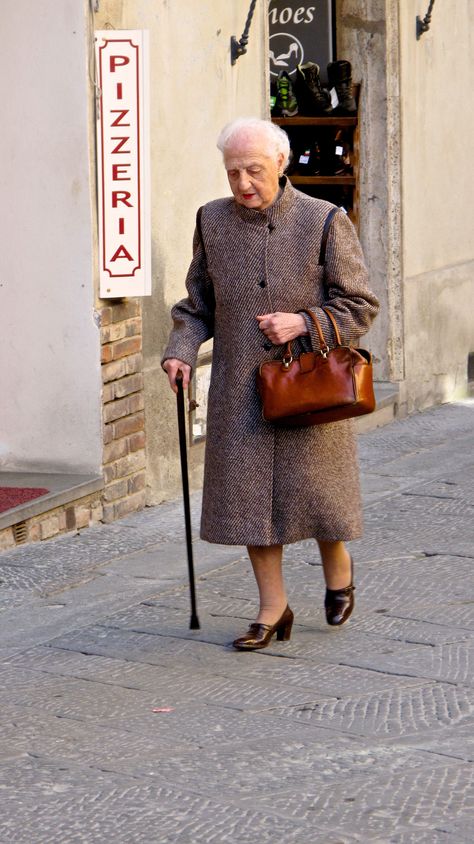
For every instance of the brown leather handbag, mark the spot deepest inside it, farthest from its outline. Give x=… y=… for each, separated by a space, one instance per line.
x=317 y=387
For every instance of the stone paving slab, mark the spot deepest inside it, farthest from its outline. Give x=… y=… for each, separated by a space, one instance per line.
x=225 y=768
x=419 y=836
x=159 y=620
x=386 y=713
x=369 y=804
x=420 y=464
x=442 y=797
x=399 y=712
x=326 y=680
x=454 y=615
x=376 y=486
x=453 y=663
x=457 y=743
x=73 y=565
x=416 y=581
x=319 y=643
x=422 y=432
x=148 y=812
x=458 y=486
x=409 y=630
x=56 y=740
x=131 y=710
x=448 y=536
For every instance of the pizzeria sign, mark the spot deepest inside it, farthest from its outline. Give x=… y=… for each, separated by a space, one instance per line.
x=123 y=163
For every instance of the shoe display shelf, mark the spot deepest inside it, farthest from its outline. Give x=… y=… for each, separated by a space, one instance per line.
x=326 y=133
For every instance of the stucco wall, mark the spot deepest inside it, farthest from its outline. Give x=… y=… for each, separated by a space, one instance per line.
x=194 y=92
x=437 y=80
x=49 y=377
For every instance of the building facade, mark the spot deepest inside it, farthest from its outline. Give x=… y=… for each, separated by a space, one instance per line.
x=86 y=410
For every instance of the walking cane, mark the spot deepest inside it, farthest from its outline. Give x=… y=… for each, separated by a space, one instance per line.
x=194 y=622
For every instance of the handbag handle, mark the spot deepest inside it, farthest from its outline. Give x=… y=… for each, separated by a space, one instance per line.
x=334 y=325
x=288 y=355
x=324 y=346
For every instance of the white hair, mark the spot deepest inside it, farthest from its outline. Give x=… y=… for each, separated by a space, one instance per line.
x=275 y=139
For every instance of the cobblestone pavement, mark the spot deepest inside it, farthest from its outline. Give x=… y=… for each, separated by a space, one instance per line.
x=119 y=724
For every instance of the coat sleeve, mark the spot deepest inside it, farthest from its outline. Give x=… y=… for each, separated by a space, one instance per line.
x=346 y=290
x=193 y=317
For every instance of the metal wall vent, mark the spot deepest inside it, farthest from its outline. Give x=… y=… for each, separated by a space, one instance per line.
x=20 y=532
x=470 y=366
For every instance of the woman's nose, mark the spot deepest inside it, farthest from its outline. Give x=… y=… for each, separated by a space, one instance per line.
x=244 y=181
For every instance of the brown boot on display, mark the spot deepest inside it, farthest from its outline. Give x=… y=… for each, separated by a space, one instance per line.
x=340 y=78
x=312 y=98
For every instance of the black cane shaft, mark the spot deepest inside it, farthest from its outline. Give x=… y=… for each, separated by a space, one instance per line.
x=194 y=623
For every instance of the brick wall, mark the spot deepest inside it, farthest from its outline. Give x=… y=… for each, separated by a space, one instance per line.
x=123 y=409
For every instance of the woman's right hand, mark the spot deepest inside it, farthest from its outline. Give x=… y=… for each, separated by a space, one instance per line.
x=172 y=366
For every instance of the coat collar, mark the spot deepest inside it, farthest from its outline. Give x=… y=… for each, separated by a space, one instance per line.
x=274 y=213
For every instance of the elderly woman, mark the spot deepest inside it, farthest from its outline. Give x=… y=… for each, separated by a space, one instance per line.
x=254 y=270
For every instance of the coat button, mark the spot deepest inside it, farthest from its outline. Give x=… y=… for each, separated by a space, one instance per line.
x=262 y=283
x=267 y=345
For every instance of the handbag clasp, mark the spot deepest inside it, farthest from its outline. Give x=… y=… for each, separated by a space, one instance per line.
x=287 y=360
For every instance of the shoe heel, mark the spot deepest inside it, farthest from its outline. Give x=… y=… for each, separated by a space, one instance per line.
x=284 y=632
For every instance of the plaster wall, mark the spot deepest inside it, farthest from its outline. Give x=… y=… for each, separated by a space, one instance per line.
x=50 y=356
x=194 y=91
x=437 y=80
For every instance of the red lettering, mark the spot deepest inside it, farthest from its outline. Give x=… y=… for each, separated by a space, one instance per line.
x=121 y=196
x=119 y=90
x=121 y=225
x=119 y=146
x=121 y=116
x=117 y=61
x=121 y=253
x=119 y=173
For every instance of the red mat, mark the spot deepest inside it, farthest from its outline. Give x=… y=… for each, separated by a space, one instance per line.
x=12 y=496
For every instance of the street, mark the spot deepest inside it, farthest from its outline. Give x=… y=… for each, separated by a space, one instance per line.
x=119 y=724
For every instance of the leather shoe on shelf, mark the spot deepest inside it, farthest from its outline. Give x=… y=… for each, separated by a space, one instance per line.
x=259 y=635
x=339 y=603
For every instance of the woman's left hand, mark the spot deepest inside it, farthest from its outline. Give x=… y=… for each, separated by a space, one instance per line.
x=281 y=327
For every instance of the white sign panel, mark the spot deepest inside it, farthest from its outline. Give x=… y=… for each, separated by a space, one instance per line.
x=123 y=163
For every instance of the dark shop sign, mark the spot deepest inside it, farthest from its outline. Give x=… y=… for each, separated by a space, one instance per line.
x=299 y=33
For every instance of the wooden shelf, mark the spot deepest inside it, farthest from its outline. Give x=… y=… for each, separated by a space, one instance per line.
x=315 y=121
x=296 y=179
x=337 y=189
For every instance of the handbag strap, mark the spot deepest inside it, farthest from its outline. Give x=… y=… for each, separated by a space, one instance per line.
x=199 y=225
x=324 y=238
x=334 y=325
x=322 y=339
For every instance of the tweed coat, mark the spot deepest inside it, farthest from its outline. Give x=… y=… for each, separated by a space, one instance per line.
x=265 y=485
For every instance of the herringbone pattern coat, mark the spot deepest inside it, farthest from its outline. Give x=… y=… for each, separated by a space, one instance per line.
x=265 y=485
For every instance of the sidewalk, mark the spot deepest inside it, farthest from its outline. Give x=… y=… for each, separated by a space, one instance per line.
x=358 y=734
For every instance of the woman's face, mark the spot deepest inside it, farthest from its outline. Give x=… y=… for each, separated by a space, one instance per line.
x=252 y=173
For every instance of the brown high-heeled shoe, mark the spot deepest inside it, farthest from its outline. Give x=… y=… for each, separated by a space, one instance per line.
x=259 y=635
x=339 y=603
